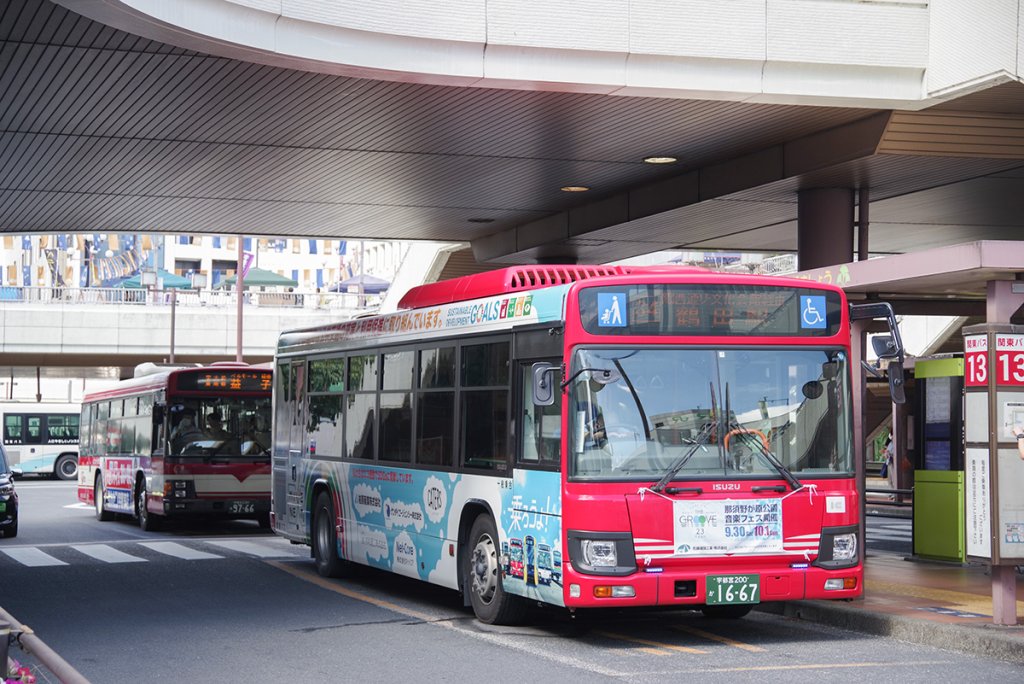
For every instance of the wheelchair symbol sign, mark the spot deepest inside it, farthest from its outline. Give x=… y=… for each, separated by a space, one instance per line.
x=812 y=312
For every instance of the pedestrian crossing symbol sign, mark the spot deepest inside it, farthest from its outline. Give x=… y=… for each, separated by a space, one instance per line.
x=611 y=309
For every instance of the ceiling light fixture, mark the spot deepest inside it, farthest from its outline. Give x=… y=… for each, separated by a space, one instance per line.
x=575 y=188
x=660 y=160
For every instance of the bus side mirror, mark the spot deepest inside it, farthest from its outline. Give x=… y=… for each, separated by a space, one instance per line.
x=544 y=384
x=896 y=388
x=885 y=347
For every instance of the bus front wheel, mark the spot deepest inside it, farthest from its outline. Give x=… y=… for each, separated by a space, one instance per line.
x=325 y=539
x=101 y=510
x=147 y=521
x=491 y=603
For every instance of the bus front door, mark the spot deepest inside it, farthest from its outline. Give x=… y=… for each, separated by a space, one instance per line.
x=290 y=436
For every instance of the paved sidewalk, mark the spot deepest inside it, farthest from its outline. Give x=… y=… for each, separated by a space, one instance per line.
x=937 y=604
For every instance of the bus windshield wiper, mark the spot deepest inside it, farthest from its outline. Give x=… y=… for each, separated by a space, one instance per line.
x=678 y=465
x=750 y=438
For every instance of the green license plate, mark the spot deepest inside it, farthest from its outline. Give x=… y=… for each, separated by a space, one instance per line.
x=3 y=506
x=728 y=589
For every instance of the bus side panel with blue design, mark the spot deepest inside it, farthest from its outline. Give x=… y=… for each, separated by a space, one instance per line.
x=41 y=438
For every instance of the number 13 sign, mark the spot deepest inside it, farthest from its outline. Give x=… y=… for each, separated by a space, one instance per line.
x=1009 y=364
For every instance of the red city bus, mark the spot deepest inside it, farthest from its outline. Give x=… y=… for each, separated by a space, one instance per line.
x=179 y=441
x=671 y=436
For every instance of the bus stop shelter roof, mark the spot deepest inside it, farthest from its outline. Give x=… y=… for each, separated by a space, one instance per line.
x=958 y=273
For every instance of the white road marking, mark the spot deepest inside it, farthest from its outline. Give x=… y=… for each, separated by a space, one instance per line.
x=33 y=558
x=252 y=549
x=107 y=554
x=179 y=551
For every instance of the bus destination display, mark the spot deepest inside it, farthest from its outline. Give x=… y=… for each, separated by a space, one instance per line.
x=710 y=310
x=225 y=381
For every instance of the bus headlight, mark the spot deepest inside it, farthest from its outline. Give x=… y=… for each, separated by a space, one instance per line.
x=601 y=553
x=838 y=548
x=844 y=547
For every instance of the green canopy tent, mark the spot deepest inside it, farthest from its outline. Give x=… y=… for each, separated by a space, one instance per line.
x=170 y=280
x=257 y=277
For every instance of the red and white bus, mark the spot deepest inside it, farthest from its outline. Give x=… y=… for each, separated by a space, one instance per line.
x=179 y=441
x=583 y=436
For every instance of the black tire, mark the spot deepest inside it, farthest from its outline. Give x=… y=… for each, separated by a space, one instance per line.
x=147 y=521
x=263 y=520
x=727 y=612
x=102 y=514
x=11 y=531
x=325 y=539
x=482 y=577
x=66 y=467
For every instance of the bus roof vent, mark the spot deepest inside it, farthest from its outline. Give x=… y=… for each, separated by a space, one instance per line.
x=503 y=281
x=149 y=368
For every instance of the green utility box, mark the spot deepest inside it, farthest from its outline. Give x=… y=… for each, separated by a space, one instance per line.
x=939 y=515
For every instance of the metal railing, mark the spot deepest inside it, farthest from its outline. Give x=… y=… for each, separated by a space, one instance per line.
x=902 y=497
x=209 y=298
x=14 y=633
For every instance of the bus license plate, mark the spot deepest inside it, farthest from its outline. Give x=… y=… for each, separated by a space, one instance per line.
x=236 y=507
x=3 y=506
x=726 y=589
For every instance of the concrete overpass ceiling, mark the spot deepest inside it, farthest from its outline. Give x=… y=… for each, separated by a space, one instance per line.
x=105 y=131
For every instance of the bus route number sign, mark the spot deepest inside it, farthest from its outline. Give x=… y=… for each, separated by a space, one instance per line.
x=733 y=589
x=1009 y=360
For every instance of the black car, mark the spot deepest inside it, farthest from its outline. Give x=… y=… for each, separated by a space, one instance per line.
x=8 y=499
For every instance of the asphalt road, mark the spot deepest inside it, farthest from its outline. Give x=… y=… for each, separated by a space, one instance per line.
x=231 y=603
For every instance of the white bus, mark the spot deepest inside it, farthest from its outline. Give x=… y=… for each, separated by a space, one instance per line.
x=41 y=437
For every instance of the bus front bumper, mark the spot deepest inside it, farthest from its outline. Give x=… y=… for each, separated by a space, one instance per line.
x=690 y=587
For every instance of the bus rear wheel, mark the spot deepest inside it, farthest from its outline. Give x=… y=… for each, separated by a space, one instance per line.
x=101 y=511
x=482 y=577
x=66 y=468
x=325 y=539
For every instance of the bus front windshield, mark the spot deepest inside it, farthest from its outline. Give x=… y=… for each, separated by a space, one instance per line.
x=635 y=414
x=220 y=428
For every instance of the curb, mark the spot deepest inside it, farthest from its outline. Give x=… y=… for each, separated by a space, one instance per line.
x=990 y=641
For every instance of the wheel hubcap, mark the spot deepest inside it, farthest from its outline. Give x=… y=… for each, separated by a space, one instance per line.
x=484 y=569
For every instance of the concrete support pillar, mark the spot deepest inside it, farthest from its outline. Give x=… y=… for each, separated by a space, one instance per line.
x=863 y=224
x=1002 y=300
x=824 y=227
